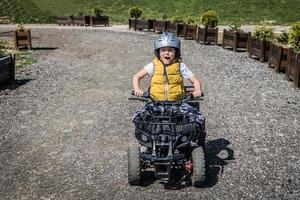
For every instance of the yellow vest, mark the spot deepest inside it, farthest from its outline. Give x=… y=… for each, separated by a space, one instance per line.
x=167 y=87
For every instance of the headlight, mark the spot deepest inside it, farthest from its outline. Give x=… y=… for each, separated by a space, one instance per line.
x=144 y=138
x=183 y=138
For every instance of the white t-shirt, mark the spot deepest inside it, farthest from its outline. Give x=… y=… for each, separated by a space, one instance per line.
x=184 y=71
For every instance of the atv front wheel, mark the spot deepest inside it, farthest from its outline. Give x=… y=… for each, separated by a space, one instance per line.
x=198 y=160
x=134 y=165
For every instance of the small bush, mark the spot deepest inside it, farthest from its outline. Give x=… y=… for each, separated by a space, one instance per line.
x=283 y=37
x=21 y=27
x=2 y=52
x=210 y=19
x=294 y=36
x=235 y=26
x=97 y=10
x=135 y=12
x=263 y=32
x=190 y=20
x=164 y=17
x=4 y=45
x=23 y=59
x=177 y=19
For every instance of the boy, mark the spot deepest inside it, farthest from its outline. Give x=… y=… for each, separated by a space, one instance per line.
x=167 y=73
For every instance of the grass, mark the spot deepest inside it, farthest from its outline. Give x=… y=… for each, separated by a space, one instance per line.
x=23 y=59
x=247 y=11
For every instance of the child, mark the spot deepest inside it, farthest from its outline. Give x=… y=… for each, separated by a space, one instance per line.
x=167 y=73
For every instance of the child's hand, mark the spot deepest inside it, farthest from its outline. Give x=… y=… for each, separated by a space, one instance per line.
x=138 y=92
x=196 y=93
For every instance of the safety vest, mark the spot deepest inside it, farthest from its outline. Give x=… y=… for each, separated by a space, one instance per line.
x=166 y=82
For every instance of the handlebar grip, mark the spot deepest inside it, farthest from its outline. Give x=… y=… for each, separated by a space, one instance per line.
x=145 y=94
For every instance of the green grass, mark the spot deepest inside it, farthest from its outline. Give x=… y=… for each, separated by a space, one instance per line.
x=247 y=11
x=23 y=59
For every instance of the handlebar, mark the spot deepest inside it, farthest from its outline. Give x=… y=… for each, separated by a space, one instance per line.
x=146 y=97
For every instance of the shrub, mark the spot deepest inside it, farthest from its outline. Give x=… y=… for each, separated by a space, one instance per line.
x=235 y=26
x=97 y=10
x=210 y=19
x=190 y=20
x=21 y=27
x=2 y=53
x=135 y=12
x=3 y=46
x=164 y=17
x=263 y=32
x=177 y=19
x=294 y=36
x=283 y=37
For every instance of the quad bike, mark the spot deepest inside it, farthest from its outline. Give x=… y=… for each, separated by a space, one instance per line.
x=169 y=141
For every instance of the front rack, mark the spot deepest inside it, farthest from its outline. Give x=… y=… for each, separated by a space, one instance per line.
x=174 y=126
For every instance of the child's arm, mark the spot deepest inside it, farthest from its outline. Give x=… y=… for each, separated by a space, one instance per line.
x=197 y=86
x=136 y=81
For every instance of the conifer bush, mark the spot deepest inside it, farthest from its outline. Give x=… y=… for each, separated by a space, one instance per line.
x=263 y=32
x=210 y=19
x=135 y=12
x=98 y=11
x=294 y=36
x=177 y=19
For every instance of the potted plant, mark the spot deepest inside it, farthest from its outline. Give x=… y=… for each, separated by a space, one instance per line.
x=235 y=38
x=259 y=42
x=7 y=65
x=99 y=19
x=160 y=25
x=134 y=13
x=190 y=29
x=293 y=67
x=81 y=20
x=278 y=52
x=208 y=33
x=22 y=37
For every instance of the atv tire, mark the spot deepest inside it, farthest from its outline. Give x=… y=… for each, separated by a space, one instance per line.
x=134 y=165
x=198 y=159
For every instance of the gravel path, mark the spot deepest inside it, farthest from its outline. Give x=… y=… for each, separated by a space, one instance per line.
x=66 y=126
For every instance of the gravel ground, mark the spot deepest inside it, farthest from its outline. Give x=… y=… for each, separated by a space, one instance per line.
x=66 y=125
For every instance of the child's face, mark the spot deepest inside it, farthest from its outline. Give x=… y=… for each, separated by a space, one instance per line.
x=167 y=55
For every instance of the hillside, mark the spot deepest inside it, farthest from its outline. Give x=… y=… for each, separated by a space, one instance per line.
x=248 y=11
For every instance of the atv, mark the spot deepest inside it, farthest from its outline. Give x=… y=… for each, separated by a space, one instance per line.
x=169 y=141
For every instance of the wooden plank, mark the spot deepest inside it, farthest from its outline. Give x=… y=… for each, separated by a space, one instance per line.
x=7 y=69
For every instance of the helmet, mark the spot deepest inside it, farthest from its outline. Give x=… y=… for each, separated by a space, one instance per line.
x=167 y=40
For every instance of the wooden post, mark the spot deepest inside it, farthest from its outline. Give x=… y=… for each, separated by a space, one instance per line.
x=287 y=71
x=223 y=45
x=278 y=58
x=249 y=45
x=236 y=41
x=262 y=51
x=216 y=38
x=297 y=71
x=205 y=35
x=12 y=67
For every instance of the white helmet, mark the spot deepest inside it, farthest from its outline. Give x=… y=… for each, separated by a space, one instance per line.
x=167 y=39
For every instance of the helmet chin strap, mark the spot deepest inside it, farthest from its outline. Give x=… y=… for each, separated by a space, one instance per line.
x=156 y=52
